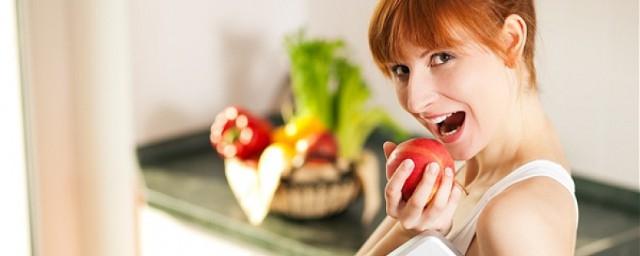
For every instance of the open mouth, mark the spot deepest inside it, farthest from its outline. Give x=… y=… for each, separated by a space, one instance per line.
x=448 y=124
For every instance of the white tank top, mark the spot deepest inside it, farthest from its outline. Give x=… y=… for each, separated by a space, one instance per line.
x=461 y=237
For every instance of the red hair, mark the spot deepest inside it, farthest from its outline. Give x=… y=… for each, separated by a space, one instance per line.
x=435 y=24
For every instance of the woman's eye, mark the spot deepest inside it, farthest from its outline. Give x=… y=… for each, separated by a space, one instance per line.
x=400 y=70
x=440 y=58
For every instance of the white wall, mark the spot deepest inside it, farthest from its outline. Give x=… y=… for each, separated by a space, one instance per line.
x=351 y=23
x=588 y=72
x=191 y=58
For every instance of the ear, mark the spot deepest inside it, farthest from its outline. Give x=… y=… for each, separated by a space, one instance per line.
x=514 y=32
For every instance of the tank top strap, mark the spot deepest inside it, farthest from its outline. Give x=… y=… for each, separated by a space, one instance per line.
x=461 y=238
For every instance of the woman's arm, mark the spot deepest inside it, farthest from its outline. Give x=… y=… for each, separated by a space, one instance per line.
x=381 y=231
x=406 y=219
x=409 y=218
x=534 y=217
x=387 y=223
x=387 y=237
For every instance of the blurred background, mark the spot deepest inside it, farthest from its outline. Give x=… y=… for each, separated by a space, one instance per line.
x=87 y=84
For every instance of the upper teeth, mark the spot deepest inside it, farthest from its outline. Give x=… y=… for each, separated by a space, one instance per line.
x=439 y=119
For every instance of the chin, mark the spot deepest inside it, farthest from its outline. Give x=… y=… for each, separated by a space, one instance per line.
x=461 y=152
x=461 y=157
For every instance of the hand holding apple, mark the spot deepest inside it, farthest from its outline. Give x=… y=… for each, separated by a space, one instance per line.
x=422 y=151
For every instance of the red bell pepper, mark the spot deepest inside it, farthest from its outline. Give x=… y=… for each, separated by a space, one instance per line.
x=237 y=133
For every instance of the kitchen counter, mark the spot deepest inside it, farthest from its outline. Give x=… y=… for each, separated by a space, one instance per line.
x=193 y=186
x=186 y=178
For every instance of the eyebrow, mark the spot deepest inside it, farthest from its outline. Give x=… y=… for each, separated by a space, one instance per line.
x=425 y=53
x=400 y=62
x=392 y=64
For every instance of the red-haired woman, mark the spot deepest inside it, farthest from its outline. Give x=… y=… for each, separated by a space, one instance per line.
x=465 y=70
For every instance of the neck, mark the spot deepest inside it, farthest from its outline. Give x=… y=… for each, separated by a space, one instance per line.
x=514 y=143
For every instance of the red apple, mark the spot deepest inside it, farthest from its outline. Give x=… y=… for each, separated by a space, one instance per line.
x=318 y=146
x=422 y=151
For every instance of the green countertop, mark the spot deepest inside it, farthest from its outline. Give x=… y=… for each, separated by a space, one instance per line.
x=194 y=186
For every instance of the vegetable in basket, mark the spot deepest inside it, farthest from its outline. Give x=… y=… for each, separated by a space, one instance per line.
x=326 y=85
x=237 y=133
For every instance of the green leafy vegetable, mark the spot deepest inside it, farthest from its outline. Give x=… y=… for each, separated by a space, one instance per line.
x=311 y=68
x=315 y=67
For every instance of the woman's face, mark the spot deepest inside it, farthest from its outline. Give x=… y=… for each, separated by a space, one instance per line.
x=461 y=95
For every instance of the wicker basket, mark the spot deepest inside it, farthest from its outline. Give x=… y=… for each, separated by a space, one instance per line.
x=303 y=193
x=315 y=200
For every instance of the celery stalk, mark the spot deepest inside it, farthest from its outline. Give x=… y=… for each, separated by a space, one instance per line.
x=311 y=68
x=315 y=65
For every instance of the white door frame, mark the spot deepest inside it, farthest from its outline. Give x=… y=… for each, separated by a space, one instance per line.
x=14 y=197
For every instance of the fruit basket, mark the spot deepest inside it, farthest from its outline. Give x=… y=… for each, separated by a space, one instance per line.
x=312 y=191
x=316 y=191
x=315 y=200
x=314 y=165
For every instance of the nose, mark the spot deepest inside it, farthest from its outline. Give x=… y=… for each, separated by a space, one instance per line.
x=420 y=94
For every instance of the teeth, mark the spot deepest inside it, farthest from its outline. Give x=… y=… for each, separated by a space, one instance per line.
x=448 y=133
x=439 y=119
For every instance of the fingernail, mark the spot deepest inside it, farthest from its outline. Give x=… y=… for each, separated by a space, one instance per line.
x=448 y=172
x=407 y=164
x=434 y=168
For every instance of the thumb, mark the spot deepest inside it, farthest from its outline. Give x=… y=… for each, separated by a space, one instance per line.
x=388 y=147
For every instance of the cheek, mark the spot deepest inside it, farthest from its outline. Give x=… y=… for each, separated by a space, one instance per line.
x=475 y=77
x=401 y=94
x=494 y=94
x=480 y=84
x=481 y=87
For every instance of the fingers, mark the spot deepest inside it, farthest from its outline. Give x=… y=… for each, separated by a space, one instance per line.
x=393 y=190
x=445 y=202
x=424 y=190
x=454 y=199
x=424 y=210
x=388 y=147
x=441 y=197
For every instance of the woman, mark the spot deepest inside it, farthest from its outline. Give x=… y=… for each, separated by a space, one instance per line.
x=465 y=70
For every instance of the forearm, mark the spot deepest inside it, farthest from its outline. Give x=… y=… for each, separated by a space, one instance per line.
x=377 y=235
x=387 y=237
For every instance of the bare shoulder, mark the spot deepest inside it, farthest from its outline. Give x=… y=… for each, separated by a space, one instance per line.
x=536 y=216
